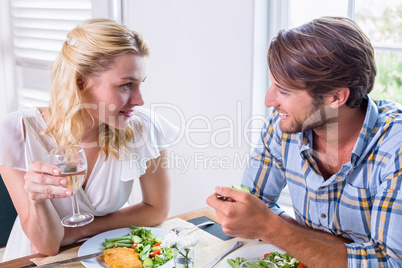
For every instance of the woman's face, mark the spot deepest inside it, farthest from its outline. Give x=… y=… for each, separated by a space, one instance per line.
x=114 y=94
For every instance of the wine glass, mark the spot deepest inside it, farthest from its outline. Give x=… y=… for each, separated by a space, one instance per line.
x=72 y=162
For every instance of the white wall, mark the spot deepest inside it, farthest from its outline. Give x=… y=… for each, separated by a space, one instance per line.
x=8 y=99
x=201 y=62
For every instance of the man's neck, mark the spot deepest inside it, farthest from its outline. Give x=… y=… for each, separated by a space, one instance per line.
x=334 y=143
x=343 y=131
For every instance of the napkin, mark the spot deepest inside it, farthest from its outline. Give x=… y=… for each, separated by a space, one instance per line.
x=207 y=254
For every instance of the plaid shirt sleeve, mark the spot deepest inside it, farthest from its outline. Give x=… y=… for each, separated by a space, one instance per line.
x=385 y=246
x=264 y=173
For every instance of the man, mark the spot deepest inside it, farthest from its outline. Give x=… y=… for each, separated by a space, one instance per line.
x=339 y=152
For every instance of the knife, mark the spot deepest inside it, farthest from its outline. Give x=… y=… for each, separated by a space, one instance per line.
x=77 y=259
x=220 y=257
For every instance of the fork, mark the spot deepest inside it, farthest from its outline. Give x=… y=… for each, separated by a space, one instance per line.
x=180 y=229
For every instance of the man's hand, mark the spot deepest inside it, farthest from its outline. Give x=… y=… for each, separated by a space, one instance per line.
x=241 y=211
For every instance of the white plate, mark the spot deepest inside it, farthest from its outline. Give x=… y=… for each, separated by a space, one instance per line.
x=250 y=253
x=94 y=244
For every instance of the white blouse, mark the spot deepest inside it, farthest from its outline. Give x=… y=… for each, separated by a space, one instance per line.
x=110 y=182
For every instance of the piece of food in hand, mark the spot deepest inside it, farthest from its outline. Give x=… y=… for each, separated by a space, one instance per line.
x=228 y=199
x=122 y=258
x=242 y=188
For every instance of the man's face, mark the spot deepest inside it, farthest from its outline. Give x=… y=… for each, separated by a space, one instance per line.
x=298 y=111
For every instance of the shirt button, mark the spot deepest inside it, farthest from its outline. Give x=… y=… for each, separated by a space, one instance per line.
x=323 y=216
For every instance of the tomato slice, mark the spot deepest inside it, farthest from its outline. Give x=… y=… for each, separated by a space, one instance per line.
x=266 y=255
x=301 y=266
x=155 y=252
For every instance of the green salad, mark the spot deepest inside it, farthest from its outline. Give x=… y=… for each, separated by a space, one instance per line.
x=145 y=243
x=281 y=260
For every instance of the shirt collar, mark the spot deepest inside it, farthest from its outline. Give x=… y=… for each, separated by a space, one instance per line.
x=365 y=135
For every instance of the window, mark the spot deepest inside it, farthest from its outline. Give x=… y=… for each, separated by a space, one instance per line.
x=381 y=21
x=39 y=28
x=35 y=31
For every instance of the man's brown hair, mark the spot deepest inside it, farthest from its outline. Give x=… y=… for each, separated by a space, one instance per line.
x=322 y=55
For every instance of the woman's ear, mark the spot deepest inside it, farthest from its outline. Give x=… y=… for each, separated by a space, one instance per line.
x=340 y=97
x=80 y=83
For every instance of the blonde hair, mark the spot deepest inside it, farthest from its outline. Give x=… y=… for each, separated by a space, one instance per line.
x=90 y=49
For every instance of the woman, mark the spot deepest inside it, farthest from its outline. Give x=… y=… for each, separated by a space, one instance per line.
x=95 y=98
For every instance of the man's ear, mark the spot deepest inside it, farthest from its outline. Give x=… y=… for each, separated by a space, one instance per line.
x=80 y=83
x=340 y=97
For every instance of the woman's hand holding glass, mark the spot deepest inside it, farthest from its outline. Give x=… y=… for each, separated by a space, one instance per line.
x=67 y=168
x=72 y=162
x=42 y=182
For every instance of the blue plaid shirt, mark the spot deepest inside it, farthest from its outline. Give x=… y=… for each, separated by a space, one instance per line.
x=361 y=202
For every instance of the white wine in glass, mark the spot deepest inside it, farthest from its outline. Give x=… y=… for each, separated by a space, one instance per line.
x=73 y=165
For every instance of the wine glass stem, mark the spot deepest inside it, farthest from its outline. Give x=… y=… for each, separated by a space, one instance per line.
x=76 y=209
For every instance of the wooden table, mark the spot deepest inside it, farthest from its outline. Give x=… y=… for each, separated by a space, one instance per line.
x=207 y=212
